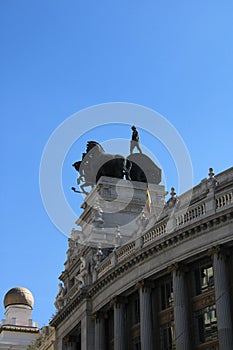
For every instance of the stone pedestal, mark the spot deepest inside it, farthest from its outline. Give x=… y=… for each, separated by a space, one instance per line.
x=114 y=209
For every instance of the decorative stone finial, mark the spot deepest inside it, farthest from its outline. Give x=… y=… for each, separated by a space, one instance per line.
x=211 y=173
x=213 y=182
x=172 y=200
x=118 y=237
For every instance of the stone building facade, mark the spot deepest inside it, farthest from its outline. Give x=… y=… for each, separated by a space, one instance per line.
x=161 y=281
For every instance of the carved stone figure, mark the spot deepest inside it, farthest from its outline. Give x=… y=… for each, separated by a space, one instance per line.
x=98 y=215
x=212 y=181
x=80 y=278
x=59 y=302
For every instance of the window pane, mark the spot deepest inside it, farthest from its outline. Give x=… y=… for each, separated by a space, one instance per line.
x=166 y=294
x=203 y=278
x=167 y=336
x=205 y=322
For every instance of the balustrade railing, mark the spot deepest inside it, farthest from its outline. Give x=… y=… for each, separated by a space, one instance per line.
x=191 y=214
x=224 y=199
x=104 y=267
x=154 y=233
x=125 y=251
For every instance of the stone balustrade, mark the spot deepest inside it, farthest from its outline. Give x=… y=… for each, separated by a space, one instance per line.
x=104 y=267
x=191 y=214
x=224 y=199
x=125 y=251
x=154 y=233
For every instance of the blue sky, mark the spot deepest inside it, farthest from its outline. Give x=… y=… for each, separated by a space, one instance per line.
x=59 y=57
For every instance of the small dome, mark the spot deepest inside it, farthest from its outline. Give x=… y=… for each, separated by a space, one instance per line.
x=19 y=295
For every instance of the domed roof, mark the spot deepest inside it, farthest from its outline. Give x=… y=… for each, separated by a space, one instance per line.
x=19 y=295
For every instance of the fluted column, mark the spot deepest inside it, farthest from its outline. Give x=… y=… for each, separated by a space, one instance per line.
x=119 y=323
x=180 y=307
x=146 y=329
x=87 y=329
x=222 y=298
x=99 y=331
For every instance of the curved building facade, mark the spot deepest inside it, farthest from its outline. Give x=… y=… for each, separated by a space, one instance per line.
x=163 y=281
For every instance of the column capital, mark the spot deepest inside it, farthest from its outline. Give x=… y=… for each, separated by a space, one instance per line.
x=218 y=250
x=144 y=284
x=99 y=315
x=118 y=300
x=177 y=267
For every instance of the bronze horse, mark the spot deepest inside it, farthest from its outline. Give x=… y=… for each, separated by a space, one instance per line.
x=96 y=163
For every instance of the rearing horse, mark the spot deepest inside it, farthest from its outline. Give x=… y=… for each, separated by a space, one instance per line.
x=96 y=163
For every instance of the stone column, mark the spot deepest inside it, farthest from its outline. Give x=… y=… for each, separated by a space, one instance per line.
x=87 y=329
x=99 y=331
x=222 y=298
x=119 y=323
x=146 y=329
x=180 y=307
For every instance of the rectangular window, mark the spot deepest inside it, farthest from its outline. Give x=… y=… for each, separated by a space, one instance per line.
x=203 y=278
x=205 y=324
x=167 y=336
x=166 y=294
x=136 y=310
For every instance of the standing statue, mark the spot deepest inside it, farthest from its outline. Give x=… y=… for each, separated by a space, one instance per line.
x=135 y=140
x=80 y=278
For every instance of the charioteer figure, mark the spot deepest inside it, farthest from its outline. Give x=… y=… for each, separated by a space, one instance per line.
x=135 y=140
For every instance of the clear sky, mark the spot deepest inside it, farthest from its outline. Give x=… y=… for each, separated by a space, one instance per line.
x=59 y=57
